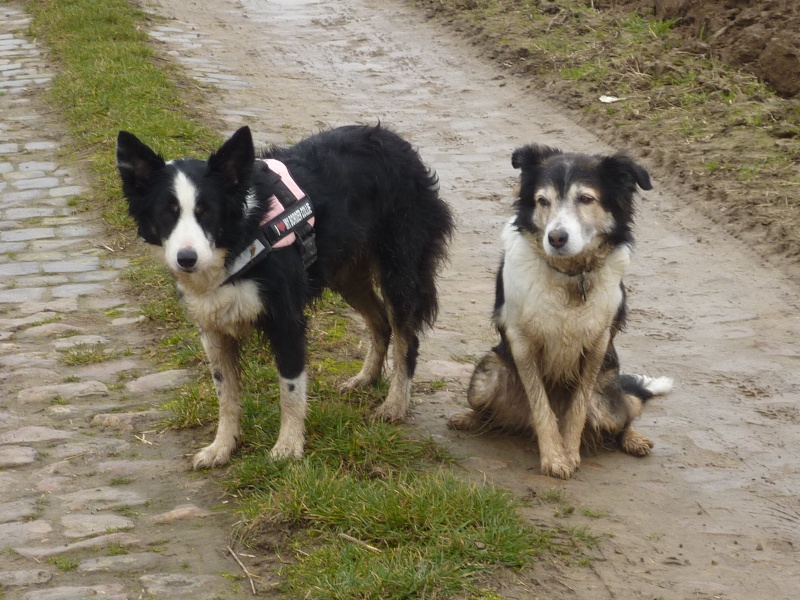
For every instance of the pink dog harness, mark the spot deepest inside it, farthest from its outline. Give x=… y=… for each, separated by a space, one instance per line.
x=289 y=220
x=285 y=224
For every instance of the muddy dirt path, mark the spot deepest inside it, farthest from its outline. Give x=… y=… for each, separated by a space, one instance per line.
x=714 y=512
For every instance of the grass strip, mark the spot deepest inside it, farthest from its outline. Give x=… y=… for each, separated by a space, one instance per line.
x=434 y=532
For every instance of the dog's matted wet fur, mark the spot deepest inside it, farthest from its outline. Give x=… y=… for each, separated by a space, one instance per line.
x=381 y=233
x=559 y=304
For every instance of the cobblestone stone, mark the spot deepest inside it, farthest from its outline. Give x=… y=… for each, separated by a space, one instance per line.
x=101 y=498
x=65 y=391
x=130 y=421
x=24 y=376
x=34 y=433
x=183 y=512
x=173 y=585
x=158 y=381
x=10 y=579
x=93 y=447
x=16 y=511
x=23 y=533
x=126 y=563
x=81 y=526
x=48 y=330
x=40 y=552
x=107 y=592
x=18 y=295
x=77 y=341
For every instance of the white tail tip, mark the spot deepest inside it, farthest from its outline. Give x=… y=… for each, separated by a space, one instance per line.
x=658 y=386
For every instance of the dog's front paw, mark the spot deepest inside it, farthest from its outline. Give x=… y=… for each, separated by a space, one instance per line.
x=574 y=461
x=214 y=455
x=390 y=412
x=635 y=443
x=355 y=382
x=287 y=450
x=466 y=421
x=557 y=466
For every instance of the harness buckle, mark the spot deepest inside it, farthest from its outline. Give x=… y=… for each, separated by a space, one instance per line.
x=307 y=243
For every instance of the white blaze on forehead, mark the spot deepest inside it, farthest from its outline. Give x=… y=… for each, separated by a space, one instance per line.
x=185 y=192
x=187 y=234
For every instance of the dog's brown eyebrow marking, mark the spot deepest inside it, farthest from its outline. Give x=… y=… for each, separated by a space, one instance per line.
x=579 y=188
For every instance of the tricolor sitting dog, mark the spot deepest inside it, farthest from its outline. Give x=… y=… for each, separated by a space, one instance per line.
x=559 y=303
x=252 y=241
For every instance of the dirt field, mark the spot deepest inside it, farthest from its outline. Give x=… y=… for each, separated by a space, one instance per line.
x=759 y=36
x=714 y=512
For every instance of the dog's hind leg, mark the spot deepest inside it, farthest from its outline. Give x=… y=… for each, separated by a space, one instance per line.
x=638 y=389
x=633 y=442
x=223 y=356
x=365 y=301
x=398 y=400
x=484 y=389
x=495 y=395
x=405 y=294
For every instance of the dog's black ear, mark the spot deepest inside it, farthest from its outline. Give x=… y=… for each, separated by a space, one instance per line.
x=234 y=160
x=622 y=167
x=532 y=155
x=136 y=163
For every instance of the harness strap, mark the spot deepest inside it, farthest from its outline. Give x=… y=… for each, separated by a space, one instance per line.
x=283 y=218
x=289 y=220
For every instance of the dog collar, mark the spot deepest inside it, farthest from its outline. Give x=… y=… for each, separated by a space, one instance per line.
x=289 y=220
x=583 y=284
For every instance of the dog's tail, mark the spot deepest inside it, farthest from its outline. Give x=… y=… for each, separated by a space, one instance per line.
x=645 y=387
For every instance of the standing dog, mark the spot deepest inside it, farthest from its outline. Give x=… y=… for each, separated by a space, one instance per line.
x=559 y=303
x=252 y=242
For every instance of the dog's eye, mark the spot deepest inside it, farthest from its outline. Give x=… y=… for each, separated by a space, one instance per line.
x=200 y=212
x=172 y=210
x=586 y=199
x=542 y=201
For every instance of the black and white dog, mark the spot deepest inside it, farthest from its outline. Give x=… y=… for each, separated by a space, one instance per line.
x=252 y=242
x=559 y=303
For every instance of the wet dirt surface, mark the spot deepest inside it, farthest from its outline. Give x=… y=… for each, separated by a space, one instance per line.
x=714 y=511
x=759 y=36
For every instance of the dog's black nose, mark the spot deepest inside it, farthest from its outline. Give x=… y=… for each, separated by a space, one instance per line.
x=187 y=258
x=557 y=238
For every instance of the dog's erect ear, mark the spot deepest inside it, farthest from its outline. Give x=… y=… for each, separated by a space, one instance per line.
x=622 y=167
x=136 y=162
x=234 y=160
x=137 y=165
x=532 y=155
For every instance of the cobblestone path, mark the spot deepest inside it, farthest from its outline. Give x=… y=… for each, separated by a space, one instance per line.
x=93 y=500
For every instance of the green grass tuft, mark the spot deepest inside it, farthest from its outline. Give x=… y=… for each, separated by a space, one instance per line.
x=413 y=534
x=63 y=562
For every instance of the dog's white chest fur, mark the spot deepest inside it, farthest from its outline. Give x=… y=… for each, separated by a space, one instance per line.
x=540 y=306
x=232 y=309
